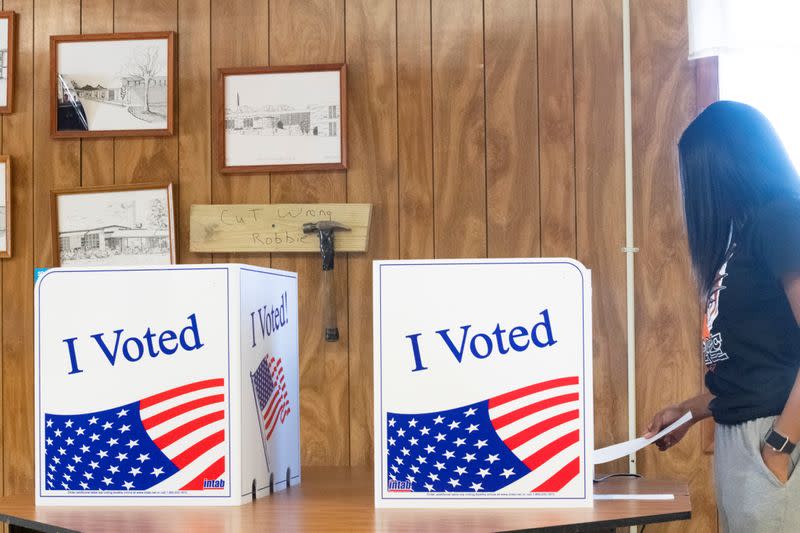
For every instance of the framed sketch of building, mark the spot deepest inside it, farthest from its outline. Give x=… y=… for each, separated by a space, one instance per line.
x=7 y=59
x=282 y=119
x=5 y=206
x=114 y=225
x=112 y=85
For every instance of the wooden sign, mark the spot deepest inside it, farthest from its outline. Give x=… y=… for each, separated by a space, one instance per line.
x=275 y=227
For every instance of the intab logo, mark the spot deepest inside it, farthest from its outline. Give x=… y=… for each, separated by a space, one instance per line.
x=399 y=486
x=212 y=484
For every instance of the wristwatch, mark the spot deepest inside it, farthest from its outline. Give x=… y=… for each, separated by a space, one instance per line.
x=778 y=442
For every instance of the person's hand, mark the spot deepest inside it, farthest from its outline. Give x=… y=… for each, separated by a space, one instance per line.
x=776 y=462
x=664 y=418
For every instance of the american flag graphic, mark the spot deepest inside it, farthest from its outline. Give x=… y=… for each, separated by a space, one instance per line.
x=175 y=437
x=269 y=386
x=486 y=446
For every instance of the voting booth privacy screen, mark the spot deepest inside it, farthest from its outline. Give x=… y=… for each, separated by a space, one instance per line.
x=483 y=383
x=170 y=385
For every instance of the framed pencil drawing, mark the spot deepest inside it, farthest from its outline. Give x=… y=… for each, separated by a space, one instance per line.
x=112 y=85
x=5 y=207
x=114 y=225
x=7 y=60
x=280 y=119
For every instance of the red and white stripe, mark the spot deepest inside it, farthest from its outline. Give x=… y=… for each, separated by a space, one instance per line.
x=188 y=424
x=540 y=424
x=278 y=406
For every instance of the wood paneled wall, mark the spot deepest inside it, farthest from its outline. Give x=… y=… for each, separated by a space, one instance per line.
x=477 y=128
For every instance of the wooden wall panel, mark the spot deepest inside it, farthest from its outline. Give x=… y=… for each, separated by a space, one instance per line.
x=491 y=129
x=56 y=165
x=706 y=82
x=556 y=129
x=154 y=158
x=666 y=299
x=194 y=108
x=512 y=129
x=17 y=328
x=59 y=162
x=97 y=155
x=600 y=200
x=415 y=129
x=372 y=177
x=459 y=142
x=228 y=22
x=313 y=31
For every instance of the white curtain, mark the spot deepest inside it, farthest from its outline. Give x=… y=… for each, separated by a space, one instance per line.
x=717 y=27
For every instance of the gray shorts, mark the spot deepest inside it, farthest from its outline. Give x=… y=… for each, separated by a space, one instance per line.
x=749 y=497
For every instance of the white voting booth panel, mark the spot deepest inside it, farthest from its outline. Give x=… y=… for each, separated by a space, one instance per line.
x=165 y=385
x=483 y=383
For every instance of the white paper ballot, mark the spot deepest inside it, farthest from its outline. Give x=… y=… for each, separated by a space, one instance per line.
x=615 y=451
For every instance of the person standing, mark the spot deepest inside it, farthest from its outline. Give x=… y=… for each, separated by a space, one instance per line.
x=741 y=202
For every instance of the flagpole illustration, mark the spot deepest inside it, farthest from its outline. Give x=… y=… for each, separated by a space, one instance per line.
x=260 y=424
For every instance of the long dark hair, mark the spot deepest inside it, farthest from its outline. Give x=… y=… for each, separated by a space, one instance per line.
x=731 y=162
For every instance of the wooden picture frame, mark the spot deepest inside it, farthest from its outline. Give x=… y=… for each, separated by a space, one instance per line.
x=5 y=205
x=67 y=96
x=255 y=117
x=114 y=236
x=8 y=61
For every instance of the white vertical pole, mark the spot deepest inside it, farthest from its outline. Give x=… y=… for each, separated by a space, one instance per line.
x=629 y=246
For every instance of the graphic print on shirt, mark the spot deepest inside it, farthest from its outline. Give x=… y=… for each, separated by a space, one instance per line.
x=712 y=343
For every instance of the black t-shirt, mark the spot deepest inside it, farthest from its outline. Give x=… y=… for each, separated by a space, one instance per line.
x=751 y=340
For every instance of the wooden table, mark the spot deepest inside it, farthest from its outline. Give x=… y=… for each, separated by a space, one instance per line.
x=340 y=499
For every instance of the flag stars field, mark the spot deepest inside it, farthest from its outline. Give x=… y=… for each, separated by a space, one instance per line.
x=446 y=470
